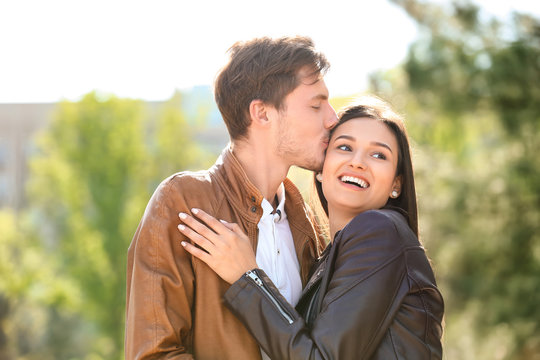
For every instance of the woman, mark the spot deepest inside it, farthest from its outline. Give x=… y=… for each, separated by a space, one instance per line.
x=372 y=294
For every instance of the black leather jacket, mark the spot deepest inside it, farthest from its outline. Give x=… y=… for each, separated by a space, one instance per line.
x=372 y=296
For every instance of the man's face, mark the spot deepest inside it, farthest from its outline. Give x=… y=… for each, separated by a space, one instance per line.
x=304 y=124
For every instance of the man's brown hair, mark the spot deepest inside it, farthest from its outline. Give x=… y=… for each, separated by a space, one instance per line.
x=265 y=69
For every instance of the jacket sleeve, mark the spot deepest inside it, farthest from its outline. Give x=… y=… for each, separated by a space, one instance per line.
x=356 y=309
x=159 y=284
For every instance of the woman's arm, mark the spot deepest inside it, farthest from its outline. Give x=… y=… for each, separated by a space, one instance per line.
x=357 y=308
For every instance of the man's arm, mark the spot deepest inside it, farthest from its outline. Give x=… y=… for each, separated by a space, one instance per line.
x=160 y=283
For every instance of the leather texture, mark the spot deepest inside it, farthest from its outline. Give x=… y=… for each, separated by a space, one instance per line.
x=174 y=302
x=372 y=295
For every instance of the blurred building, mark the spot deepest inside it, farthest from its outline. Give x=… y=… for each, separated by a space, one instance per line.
x=20 y=123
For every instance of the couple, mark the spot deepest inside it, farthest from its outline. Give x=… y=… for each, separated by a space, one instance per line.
x=370 y=294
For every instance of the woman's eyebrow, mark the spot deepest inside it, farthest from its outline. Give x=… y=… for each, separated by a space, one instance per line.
x=376 y=143
x=382 y=144
x=347 y=137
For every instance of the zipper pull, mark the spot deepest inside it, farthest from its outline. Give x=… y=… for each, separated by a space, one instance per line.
x=254 y=277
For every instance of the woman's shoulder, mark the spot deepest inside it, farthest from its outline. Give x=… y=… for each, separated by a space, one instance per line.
x=381 y=218
x=384 y=227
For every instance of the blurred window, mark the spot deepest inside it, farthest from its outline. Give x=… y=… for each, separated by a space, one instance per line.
x=3 y=189
x=3 y=154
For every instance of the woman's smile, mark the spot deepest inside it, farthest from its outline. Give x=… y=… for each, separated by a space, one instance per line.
x=354 y=182
x=359 y=171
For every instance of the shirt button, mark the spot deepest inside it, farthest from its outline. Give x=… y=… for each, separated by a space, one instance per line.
x=253 y=209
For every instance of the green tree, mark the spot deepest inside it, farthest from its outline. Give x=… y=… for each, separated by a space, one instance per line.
x=37 y=301
x=100 y=160
x=471 y=89
x=173 y=146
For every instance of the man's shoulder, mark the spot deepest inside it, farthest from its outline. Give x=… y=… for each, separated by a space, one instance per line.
x=188 y=180
x=190 y=187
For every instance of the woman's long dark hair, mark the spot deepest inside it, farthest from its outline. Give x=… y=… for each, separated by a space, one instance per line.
x=375 y=108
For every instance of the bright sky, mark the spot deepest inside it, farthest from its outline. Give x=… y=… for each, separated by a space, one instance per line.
x=62 y=49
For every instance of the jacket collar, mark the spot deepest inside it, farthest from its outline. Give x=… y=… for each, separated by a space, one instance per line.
x=241 y=192
x=236 y=186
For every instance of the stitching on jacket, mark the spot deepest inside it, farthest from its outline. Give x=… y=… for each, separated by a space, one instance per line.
x=370 y=274
x=392 y=342
x=160 y=212
x=370 y=342
x=400 y=252
x=167 y=189
x=388 y=221
x=426 y=308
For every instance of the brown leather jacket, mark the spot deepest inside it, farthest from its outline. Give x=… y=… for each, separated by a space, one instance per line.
x=372 y=296
x=174 y=302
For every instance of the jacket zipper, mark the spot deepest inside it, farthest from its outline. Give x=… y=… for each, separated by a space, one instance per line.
x=253 y=276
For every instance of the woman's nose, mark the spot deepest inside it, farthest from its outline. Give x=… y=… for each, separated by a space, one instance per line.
x=357 y=161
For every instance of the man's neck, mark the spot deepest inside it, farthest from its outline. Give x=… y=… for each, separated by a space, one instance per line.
x=262 y=167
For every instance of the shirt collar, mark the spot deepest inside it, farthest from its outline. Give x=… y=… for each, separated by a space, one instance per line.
x=268 y=209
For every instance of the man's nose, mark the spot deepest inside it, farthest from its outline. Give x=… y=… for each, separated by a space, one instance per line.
x=332 y=118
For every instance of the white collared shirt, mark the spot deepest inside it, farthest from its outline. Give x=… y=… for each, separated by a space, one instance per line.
x=275 y=249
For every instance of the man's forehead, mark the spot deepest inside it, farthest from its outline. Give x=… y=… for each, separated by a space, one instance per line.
x=314 y=86
x=308 y=75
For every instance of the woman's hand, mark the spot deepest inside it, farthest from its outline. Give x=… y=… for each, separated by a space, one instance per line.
x=228 y=250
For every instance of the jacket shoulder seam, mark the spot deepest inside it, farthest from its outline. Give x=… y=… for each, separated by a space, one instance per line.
x=425 y=305
x=160 y=210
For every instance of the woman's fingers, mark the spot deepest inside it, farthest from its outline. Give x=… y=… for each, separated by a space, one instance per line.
x=228 y=225
x=229 y=251
x=217 y=226
x=197 y=225
x=235 y=229
x=195 y=251
x=198 y=239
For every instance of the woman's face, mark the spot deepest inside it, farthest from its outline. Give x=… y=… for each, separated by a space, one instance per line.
x=360 y=166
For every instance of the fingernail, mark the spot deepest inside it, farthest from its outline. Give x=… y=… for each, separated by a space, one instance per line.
x=181 y=227
x=223 y=221
x=194 y=210
x=182 y=215
x=183 y=243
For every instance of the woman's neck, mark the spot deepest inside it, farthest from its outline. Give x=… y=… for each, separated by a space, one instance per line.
x=337 y=219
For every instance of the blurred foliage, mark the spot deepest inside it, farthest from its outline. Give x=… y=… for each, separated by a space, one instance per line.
x=33 y=293
x=98 y=164
x=470 y=88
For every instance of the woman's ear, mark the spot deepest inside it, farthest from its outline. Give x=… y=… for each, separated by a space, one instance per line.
x=258 y=112
x=396 y=187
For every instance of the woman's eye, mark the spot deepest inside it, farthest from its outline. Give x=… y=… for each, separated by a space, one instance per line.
x=379 y=155
x=316 y=107
x=344 y=147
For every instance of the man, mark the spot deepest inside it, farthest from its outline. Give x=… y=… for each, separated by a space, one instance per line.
x=275 y=104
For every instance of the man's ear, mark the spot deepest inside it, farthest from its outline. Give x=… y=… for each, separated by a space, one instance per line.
x=258 y=112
